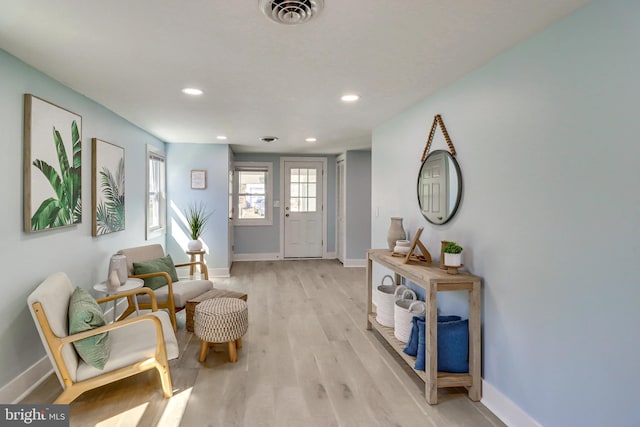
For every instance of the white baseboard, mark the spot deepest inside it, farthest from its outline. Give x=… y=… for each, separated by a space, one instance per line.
x=330 y=255
x=508 y=412
x=275 y=256
x=18 y=388
x=219 y=272
x=354 y=262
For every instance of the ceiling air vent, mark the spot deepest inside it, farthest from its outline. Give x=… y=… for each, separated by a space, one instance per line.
x=268 y=139
x=291 y=12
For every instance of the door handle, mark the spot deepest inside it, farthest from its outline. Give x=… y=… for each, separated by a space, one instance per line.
x=286 y=214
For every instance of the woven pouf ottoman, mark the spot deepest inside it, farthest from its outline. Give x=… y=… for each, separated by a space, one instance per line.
x=221 y=320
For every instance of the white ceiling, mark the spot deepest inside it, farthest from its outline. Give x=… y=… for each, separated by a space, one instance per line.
x=262 y=78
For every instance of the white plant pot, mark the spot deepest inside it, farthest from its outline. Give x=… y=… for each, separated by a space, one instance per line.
x=452 y=260
x=194 y=245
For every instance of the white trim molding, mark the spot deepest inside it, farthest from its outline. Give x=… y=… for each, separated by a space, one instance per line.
x=330 y=255
x=354 y=262
x=275 y=256
x=219 y=272
x=18 y=388
x=508 y=412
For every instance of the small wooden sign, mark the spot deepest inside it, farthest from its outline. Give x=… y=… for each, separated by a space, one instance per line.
x=425 y=257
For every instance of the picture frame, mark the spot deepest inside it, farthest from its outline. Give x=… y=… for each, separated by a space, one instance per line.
x=52 y=170
x=107 y=188
x=198 y=179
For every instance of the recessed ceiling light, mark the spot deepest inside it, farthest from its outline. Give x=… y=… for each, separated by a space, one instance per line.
x=221 y=137
x=350 y=97
x=192 y=91
x=311 y=139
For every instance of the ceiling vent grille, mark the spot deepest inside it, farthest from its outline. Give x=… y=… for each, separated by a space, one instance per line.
x=268 y=139
x=291 y=12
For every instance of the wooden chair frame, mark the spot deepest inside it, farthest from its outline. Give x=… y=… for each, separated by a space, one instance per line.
x=74 y=389
x=170 y=303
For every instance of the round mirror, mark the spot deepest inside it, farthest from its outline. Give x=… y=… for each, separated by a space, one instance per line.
x=439 y=187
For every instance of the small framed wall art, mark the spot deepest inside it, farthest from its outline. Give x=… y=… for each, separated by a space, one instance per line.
x=107 y=188
x=198 y=179
x=52 y=166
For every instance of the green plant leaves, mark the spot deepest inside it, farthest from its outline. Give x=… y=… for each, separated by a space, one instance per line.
x=197 y=219
x=452 y=248
x=66 y=208
x=110 y=214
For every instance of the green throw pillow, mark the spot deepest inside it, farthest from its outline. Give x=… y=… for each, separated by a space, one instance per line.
x=153 y=266
x=85 y=314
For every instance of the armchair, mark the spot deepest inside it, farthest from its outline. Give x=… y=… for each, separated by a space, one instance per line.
x=136 y=345
x=170 y=296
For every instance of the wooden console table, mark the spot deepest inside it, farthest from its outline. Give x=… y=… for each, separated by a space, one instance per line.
x=433 y=280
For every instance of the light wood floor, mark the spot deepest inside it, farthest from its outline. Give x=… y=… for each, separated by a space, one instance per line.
x=306 y=360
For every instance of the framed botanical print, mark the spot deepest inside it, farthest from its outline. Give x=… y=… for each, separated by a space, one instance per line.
x=199 y=179
x=107 y=187
x=52 y=166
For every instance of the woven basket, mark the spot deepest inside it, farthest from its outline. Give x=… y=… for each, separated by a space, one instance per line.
x=385 y=297
x=404 y=310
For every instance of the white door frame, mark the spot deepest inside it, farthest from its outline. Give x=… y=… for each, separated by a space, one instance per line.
x=324 y=199
x=341 y=239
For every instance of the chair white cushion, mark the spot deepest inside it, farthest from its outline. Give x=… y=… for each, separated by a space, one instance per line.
x=183 y=291
x=131 y=344
x=54 y=295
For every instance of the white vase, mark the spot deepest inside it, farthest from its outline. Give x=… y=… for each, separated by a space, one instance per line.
x=396 y=232
x=194 y=245
x=113 y=283
x=452 y=260
x=118 y=263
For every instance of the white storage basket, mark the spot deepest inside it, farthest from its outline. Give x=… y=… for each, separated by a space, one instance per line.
x=404 y=310
x=385 y=298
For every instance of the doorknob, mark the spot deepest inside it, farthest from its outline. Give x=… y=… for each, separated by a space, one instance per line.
x=286 y=214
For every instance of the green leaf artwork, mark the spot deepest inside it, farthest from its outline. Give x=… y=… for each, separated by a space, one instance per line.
x=110 y=213
x=66 y=207
x=107 y=187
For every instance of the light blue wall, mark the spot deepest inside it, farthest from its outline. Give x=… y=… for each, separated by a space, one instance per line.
x=266 y=239
x=547 y=140
x=358 y=203
x=260 y=239
x=28 y=258
x=181 y=159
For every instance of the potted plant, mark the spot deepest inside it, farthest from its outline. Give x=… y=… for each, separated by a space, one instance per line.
x=452 y=254
x=197 y=218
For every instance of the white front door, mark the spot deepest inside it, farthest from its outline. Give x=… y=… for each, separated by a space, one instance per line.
x=303 y=209
x=434 y=191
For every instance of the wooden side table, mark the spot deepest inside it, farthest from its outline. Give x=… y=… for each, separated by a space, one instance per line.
x=194 y=258
x=130 y=284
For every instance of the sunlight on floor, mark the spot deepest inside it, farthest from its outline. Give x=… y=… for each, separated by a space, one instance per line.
x=130 y=417
x=171 y=416
x=174 y=410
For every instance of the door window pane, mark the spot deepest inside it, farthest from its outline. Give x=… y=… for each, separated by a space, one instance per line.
x=302 y=190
